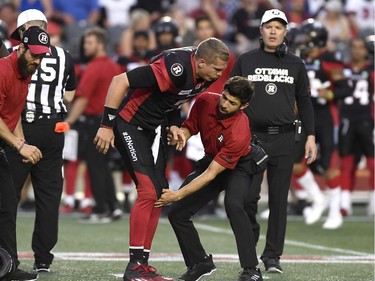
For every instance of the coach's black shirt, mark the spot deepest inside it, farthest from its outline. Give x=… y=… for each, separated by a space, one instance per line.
x=280 y=83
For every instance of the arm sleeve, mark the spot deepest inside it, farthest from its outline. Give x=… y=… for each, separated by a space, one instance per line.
x=71 y=83
x=142 y=77
x=174 y=118
x=304 y=104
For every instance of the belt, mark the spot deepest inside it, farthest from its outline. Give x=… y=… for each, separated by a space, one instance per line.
x=274 y=130
x=29 y=116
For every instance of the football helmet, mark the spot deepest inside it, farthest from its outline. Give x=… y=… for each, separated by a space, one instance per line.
x=311 y=34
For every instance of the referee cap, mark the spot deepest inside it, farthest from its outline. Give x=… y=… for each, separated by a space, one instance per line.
x=37 y=40
x=25 y=17
x=273 y=14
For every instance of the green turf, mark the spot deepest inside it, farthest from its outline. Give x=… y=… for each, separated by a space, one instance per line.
x=355 y=238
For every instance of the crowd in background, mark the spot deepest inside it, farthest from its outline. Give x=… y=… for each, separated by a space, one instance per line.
x=137 y=30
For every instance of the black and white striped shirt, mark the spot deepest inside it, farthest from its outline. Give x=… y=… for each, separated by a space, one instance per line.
x=54 y=76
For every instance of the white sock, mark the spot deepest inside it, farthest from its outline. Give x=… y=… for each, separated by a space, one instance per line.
x=307 y=181
x=69 y=200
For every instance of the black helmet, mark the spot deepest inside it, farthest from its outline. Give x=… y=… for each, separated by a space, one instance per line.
x=370 y=41
x=166 y=25
x=312 y=34
x=293 y=30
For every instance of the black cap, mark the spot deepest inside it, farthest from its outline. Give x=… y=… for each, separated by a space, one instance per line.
x=37 y=40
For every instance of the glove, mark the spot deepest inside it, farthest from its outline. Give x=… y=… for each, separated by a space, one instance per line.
x=258 y=159
x=61 y=127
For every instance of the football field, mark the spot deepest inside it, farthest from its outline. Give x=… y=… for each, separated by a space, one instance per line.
x=100 y=251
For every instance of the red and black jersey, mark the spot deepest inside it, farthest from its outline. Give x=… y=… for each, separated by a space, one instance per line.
x=175 y=83
x=319 y=72
x=360 y=104
x=220 y=137
x=280 y=83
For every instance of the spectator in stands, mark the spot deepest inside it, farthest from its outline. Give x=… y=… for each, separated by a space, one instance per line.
x=337 y=24
x=246 y=22
x=139 y=20
x=141 y=54
x=44 y=6
x=74 y=11
x=215 y=11
x=185 y=25
x=115 y=12
x=361 y=16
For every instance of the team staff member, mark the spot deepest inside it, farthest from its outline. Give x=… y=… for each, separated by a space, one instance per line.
x=89 y=100
x=227 y=154
x=15 y=75
x=156 y=92
x=280 y=81
x=42 y=115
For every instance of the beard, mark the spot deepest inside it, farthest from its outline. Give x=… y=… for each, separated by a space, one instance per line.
x=26 y=68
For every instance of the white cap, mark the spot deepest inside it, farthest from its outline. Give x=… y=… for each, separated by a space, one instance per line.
x=25 y=17
x=273 y=14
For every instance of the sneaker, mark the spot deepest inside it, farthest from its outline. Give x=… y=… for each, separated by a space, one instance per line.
x=41 y=267
x=117 y=214
x=96 y=218
x=272 y=265
x=136 y=271
x=251 y=274
x=156 y=277
x=198 y=270
x=20 y=275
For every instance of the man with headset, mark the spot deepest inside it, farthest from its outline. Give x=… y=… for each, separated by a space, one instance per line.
x=281 y=82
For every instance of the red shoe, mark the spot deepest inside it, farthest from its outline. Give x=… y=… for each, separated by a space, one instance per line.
x=156 y=277
x=66 y=209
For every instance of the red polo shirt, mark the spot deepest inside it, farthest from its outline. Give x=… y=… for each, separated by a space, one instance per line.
x=13 y=90
x=224 y=139
x=95 y=82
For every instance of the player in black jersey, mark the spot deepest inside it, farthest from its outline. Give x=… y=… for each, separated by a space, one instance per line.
x=357 y=122
x=328 y=85
x=42 y=117
x=153 y=94
x=280 y=82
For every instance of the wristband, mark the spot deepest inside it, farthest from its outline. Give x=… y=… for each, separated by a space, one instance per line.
x=109 y=116
x=18 y=146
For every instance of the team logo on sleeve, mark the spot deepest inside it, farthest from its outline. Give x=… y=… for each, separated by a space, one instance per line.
x=271 y=89
x=177 y=69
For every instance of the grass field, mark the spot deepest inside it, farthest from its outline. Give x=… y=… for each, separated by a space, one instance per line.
x=99 y=251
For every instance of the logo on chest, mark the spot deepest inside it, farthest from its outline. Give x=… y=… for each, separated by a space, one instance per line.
x=271 y=89
x=220 y=138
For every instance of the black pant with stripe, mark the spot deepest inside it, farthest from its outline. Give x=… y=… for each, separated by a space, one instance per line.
x=47 y=179
x=236 y=184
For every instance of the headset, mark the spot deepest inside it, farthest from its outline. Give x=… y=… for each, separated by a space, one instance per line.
x=281 y=50
x=7 y=265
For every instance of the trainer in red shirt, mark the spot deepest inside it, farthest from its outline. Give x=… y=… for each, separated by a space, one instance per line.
x=226 y=136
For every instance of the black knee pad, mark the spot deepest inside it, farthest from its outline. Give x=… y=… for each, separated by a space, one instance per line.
x=7 y=265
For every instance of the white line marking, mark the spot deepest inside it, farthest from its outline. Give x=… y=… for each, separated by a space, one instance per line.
x=287 y=242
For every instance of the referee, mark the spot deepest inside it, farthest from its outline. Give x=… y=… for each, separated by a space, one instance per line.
x=280 y=82
x=43 y=112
